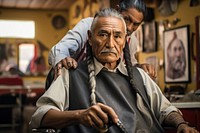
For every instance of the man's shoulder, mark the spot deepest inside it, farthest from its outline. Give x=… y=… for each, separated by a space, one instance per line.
x=82 y=66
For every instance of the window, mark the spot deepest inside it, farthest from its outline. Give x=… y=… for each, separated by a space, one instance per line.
x=17 y=29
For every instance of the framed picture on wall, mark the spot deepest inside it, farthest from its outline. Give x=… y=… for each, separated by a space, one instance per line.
x=176 y=55
x=149 y=37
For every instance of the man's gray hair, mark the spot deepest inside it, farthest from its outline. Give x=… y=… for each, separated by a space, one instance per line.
x=107 y=12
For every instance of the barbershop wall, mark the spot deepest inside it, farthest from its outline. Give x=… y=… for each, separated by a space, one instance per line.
x=45 y=31
x=187 y=15
x=85 y=8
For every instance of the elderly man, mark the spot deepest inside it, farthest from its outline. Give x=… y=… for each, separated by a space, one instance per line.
x=103 y=94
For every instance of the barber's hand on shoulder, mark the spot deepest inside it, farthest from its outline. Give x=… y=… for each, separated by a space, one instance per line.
x=149 y=69
x=184 y=128
x=98 y=117
x=67 y=62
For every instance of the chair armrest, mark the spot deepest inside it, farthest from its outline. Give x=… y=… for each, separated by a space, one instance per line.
x=45 y=130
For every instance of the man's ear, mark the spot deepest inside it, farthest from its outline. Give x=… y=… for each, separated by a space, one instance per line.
x=89 y=36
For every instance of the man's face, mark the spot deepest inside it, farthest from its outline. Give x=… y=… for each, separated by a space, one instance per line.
x=177 y=55
x=108 y=39
x=133 y=19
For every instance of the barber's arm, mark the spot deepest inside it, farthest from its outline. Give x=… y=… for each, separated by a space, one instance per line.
x=70 y=46
x=149 y=69
x=72 y=43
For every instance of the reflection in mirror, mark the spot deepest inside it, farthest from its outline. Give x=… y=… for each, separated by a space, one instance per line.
x=31 y=59
x=26 y=54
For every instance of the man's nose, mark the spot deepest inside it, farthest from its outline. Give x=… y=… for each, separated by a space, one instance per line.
x=178 y=53
x=110 y=41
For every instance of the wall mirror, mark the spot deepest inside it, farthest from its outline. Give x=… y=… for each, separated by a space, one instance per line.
x=31 y=59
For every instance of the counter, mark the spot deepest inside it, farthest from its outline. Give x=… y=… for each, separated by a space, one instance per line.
x=186 y=104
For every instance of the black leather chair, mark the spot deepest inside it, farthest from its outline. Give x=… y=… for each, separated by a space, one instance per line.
x=49 y=79
x=43 y=130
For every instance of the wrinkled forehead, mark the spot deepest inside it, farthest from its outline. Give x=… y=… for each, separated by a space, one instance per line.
x=110 y=23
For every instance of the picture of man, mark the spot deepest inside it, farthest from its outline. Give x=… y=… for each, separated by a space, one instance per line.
x=176 y=58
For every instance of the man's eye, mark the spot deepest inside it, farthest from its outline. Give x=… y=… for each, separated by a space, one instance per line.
x=103 y=35
x=127 y=20
x=117 y=36
x=136 y=24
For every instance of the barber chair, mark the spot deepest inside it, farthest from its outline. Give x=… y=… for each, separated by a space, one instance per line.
x=43 y=130
x=49 y=80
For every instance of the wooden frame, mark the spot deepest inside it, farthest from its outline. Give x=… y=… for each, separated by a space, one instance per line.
x=149 y=37
x=176 y=55
x=197 y=22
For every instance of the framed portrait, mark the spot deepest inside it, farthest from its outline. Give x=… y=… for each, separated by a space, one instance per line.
x=176 y=55
x=149 y=37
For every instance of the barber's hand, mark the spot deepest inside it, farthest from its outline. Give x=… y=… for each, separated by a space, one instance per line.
x=98 y=116
x=184 y=128
x=149 y=69
x=68 y=63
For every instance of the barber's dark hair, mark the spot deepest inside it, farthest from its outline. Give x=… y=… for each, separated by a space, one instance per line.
x=140 y=5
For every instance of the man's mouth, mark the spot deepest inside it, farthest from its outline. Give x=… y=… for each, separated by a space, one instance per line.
x=107 y=51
